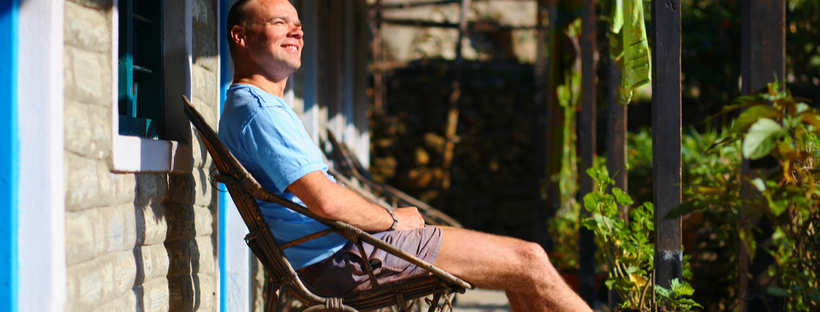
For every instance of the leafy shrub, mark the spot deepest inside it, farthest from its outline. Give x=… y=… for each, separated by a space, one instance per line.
x=785 y=128
x=673 y=297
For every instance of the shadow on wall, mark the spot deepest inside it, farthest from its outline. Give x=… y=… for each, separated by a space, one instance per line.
x=174 y=253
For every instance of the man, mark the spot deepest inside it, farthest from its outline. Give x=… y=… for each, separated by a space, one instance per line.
x=267 y=137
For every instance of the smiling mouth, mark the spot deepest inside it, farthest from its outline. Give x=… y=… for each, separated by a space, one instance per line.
x=291 y=47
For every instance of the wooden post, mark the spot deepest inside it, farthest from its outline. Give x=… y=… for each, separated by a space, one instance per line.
x=616 y=143
x=586 y=142
x=540 y=210
x=666 y=137
x=763 y=54
x=452 y=114
x=378 y=74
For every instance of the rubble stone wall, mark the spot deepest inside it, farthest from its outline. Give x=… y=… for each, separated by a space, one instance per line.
x=134 y=241
x=495 y=175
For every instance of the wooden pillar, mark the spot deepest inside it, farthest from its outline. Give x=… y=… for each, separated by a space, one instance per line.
x=540 y=210
x=586 y=142
x=763 y=54
x=378 y=74
x=666 y=137
x=452 y=113
x=616 y=143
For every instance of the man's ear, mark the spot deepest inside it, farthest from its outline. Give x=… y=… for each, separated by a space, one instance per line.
x=238 y=35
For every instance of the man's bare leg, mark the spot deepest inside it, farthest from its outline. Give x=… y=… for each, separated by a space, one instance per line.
x=498 y=262
x=517 y=304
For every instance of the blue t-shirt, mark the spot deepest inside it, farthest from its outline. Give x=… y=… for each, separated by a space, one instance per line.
x=270 y=141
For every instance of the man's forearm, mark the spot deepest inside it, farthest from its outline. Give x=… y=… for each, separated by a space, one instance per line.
x=332 y=201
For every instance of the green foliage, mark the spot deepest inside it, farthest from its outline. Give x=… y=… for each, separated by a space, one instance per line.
x=628 y=249
x=674 y=297
x=778 y=125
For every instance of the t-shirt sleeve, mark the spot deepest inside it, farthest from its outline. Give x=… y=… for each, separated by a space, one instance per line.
x=281 y=146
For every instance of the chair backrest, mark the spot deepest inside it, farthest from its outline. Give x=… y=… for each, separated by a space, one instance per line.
x=244 y=190
x=242 y=186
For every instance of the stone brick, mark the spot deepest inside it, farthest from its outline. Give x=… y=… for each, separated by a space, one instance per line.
x=88 y=183
x=151 y=224
x=94 y=232
x=151 y=188
x=121 y=232
x=125 y=303
x=205 y=86
x=193 y=188
x=204 y=15
x=193 y=292
x=97 y=4
x=87 y=28
x=201 y=157
x=87 y=130
x=126 y=188
x=155 y=295
x=191 y=256
x=100 y=280
x=205 y=51
x=207 y=110
x=79 y=238
x=152 y=261
x=90 y=80
x=188 y=221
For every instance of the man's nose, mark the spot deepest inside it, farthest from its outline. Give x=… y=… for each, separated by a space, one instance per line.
x=296 y=33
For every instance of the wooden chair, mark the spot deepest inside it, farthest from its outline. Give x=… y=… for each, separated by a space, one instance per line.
x=349 y=165
x=245 y=190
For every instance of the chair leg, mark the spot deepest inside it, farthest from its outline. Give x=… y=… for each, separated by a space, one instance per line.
x=434 y=302
x=272 y=299
x=450 y=298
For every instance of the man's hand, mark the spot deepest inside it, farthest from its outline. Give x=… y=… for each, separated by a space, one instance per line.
x=409 y=218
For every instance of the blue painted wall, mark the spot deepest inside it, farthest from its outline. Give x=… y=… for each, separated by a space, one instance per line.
x=225 y=81
x=9 y=146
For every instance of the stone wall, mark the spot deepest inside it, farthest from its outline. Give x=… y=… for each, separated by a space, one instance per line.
x=495 y=173
x=134 y=241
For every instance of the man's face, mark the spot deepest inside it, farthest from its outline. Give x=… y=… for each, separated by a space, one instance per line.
x=275 y=37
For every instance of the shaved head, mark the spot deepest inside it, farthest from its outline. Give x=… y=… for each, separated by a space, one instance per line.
x=241 y=14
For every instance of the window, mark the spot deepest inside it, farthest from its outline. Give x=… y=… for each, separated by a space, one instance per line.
x=151 y=68
x=141 y=68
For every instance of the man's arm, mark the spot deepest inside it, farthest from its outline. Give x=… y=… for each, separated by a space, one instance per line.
x=332 y=201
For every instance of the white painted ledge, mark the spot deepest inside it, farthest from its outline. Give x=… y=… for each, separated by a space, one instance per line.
x=135 y=154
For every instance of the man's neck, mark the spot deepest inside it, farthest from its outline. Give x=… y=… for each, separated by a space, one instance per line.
x=276 y=88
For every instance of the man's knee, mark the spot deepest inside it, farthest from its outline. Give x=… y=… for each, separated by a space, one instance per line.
x=533 y=255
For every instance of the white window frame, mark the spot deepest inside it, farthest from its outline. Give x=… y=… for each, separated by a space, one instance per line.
x=135 y=154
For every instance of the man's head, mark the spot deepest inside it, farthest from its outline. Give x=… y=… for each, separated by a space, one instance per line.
x=265 y=36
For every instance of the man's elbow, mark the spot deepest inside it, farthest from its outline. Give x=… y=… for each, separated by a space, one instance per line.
x=325 y=208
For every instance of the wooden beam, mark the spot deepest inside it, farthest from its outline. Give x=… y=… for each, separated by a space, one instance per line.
x=666 y=137
x=407 y=5
x=471 y=27
x=586 y=146
x=763 y=54
x=452 y=114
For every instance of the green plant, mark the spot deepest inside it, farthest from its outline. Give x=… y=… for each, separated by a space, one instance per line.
x=628 y=250
x=674 y=297
x=779 y=125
